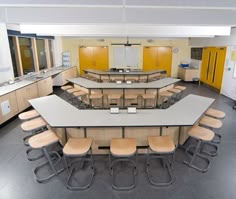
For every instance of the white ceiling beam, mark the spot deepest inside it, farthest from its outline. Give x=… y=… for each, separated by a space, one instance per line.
x=125 y=30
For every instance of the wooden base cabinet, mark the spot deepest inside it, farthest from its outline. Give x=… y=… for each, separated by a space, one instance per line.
x=45 y=87
x=61 y=79
x=187 y=74
x=8 y=106
x=25 y=94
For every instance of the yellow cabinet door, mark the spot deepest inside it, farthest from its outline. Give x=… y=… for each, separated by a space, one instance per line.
x=85 y=58
x=218 y=69
x=149 y=58
x=100 y=58
x=93 y=58
x=164 y=59
x=212 y=69
x=157 y=58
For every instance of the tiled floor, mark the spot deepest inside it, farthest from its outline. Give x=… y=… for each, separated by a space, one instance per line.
x=17 y=181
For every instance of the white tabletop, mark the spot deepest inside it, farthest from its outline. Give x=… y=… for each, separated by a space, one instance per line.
x=59 y=113
x=99 y=72
x=86 y=83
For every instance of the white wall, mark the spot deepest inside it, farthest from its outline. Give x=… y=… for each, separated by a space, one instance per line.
x=6 y=68
x=229 y=80
x=58 y=51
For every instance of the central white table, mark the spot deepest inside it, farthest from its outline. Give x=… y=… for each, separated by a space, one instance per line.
x=60 y=114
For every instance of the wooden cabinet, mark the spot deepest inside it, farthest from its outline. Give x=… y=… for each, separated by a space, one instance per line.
x=187 y=74
x=93 y=58
x=213 y=60
x=157 y=58
x=45 y=87
x=10 y=100
x=60 y=79
x=24 y=94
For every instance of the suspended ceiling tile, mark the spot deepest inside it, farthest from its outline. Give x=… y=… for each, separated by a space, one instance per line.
x=183 y=3
x=62 y=2
x=75 y=15
x=180 y=16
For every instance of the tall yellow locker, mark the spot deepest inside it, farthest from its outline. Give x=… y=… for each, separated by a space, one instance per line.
x=212 y=69
x=93 y=58
x=157 y=58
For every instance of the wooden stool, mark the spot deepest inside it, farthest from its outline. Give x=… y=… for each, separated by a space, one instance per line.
x=211 y=123
x=78 y=148
x=122 y=149
x=165 y=99
x=64 y=88
x=161 y=147
x=42 y=141
x=131 y=100
x=215 y=113
x=78 y=97
x=176 y=93
x=28 y=115
x=131 y=78
x=114 y=100
x=182 y=89
x=96 y=100
x=149 y=97
x=202 y=135
x=33 y=126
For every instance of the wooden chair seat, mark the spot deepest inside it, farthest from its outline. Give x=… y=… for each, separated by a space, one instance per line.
x=96 y=96
x=66 y=87
x=43 y=139
x=201 y=133
x=210 y=122
x=123 y=147
x=72 y=90
x=77 y=146
x=165 y=94
x=131 y=96
x=182 y=88
x=28 y=115
x=79 y=93
x=215 y=113
x=161 y=144
x=174 y=90
x=148 y=96
x=114 y=96
x=33 y=124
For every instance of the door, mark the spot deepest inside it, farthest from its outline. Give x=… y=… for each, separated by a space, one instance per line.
x=93 y=58
x=164 y=59
x=213 y=60
x=149 y=58
x=85 y=58
x=157 y=58
x=100 y=58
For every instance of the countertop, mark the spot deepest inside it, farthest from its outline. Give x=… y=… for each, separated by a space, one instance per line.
x=27 y=80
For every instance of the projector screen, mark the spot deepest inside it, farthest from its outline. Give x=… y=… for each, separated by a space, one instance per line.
x=125 y=56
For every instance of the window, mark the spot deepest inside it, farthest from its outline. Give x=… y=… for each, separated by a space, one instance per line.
x=51 y=52
x=41 y=52
x=26 y=55
x=13 y=55
x=196 y=53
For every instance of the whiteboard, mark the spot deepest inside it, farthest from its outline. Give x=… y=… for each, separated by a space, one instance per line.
x=125 y=56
